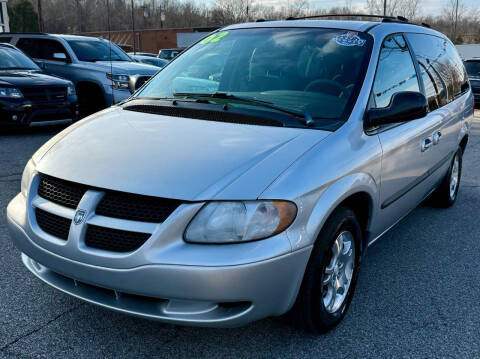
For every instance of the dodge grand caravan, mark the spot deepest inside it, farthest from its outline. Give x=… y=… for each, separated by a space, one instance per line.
x=249 y=176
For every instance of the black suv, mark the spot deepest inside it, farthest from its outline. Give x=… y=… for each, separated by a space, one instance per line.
x=30 y=98
x=473 y=71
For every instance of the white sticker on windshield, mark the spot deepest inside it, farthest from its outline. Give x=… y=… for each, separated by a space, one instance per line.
x=350 y=38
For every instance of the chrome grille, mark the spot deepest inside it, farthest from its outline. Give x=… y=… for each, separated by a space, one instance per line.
x=41 y=94
x=52 y=224
x=61 y=192
x=139 y=209
x=136 y=208
x=114 y=240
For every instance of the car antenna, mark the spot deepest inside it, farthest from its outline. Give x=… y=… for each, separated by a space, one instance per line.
x=110 y=48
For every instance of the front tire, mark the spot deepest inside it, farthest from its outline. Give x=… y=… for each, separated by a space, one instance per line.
x=331 y=275
x=446 y=194
x=90 y=100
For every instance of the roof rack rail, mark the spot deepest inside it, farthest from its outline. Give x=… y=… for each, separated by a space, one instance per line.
x=388 y=18
x=398 y=19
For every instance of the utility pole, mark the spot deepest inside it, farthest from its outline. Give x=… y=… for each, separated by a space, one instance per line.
x=79 y=16
x=40 y=18
x=456 y=20
x=384 y=7
x=133 y=30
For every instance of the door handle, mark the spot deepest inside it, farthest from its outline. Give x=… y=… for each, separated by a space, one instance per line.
x=427 y=143
x=436 y=137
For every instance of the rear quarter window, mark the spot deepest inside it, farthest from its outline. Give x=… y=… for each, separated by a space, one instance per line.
x=30 y=46
x=42 y=49
x=440 y=64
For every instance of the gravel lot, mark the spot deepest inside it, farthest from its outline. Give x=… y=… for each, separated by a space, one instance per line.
x=418 y=294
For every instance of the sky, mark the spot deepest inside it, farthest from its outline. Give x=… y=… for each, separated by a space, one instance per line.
x=433 y=7
x=428 y=6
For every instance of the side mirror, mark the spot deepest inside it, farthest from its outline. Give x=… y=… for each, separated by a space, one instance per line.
x=60 y=56
x=136 y=81
x=404 y=106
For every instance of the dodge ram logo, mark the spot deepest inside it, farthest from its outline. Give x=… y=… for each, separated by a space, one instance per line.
x=79 y=216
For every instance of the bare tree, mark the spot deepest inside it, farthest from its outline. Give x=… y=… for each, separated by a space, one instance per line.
x=453 y=13
x=230 y=11
x=409 y=9
x=73 y=16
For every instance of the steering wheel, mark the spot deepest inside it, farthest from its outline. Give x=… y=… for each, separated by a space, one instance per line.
x=319 y=86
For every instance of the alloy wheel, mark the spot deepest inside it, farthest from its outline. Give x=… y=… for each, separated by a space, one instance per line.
x=454 y=177
x=337 y=276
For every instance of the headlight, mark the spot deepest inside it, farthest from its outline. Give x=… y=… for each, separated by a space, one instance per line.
x=10 y=92
x=70 y=89
x=242 y=221
x=119 y=81
x=27 y=177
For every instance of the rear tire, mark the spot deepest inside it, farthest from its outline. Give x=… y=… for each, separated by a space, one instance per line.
x=446 y=194
x=317 y=309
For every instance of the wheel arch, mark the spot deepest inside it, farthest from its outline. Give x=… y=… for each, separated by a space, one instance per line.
x=463 y=142
x=90 y=85
x=358 y=192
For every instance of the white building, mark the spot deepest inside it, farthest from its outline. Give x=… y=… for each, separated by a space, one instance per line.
x=469 y=51
x=4 y=17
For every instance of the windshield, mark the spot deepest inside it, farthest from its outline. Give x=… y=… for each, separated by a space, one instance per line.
x=305 y=70
x=473 y=68
x=14 y=59
x=88 y=50
x=168 y=54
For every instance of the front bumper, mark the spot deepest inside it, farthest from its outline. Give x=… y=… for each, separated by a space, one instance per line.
x=219 y=296
x=27 y=113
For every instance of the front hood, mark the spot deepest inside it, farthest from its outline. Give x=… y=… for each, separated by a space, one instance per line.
x=125 y=67
x=30 y=79
x=174 y=157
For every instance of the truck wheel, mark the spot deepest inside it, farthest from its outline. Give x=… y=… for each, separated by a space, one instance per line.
x=331 y=275
x=446 y=194
x=90 y=100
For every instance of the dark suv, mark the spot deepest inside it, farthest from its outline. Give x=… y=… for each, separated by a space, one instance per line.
x=473 y=70
x=30 y=98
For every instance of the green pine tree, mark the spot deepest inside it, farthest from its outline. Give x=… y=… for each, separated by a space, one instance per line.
x=23 y=17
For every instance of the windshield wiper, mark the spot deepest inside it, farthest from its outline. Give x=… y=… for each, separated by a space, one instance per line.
x=306 y=118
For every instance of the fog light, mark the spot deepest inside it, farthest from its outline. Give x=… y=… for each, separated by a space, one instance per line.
x=14 y=117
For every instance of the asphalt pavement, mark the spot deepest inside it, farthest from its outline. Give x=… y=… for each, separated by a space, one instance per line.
x=418 y=294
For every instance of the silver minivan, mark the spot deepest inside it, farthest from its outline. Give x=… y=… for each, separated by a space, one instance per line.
x=249 y=176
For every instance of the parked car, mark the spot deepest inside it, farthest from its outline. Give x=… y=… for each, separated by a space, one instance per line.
x=131 y=54
x=473 y=70
x=169 y=54
x=30 y=98
x=468 y=51
x=219 y=200
x=86 y=62
x=154 y=61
